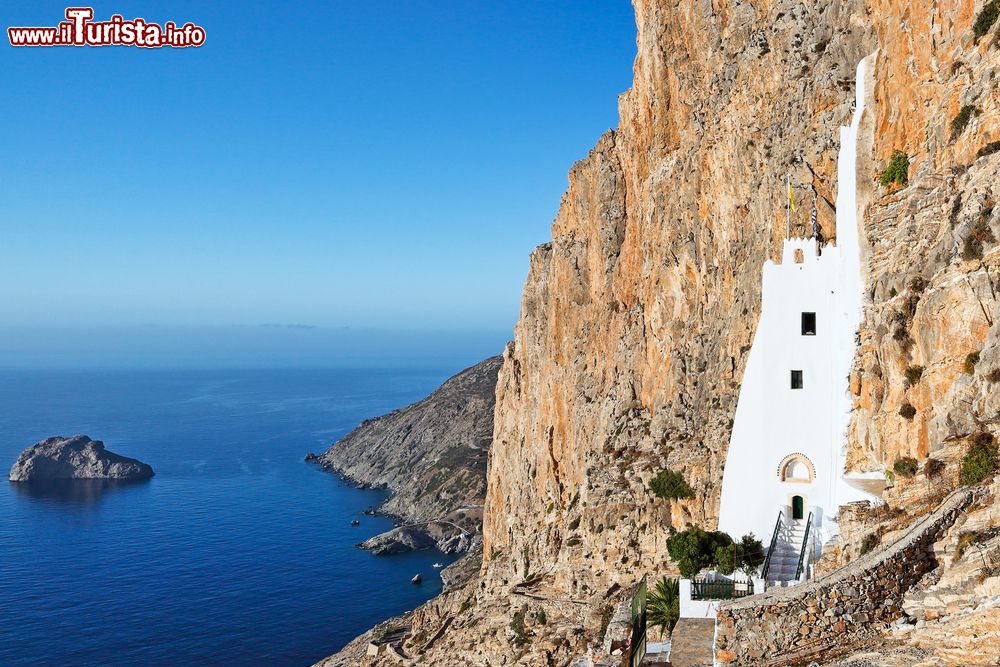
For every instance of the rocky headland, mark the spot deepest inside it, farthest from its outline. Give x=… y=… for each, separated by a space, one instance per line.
x=77 y=457
x=432 y=456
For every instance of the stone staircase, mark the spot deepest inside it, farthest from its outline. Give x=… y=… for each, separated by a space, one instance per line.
x=785 y=559
x=692 y=643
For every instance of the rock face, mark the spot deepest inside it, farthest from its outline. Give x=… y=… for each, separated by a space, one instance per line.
x=432 y=455
x=78 y=457
x=637 y=317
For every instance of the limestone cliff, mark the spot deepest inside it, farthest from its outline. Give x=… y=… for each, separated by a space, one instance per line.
x=636 y=319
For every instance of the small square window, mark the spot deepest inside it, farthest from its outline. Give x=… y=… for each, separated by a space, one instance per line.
x=796 y=379
x=808 y=324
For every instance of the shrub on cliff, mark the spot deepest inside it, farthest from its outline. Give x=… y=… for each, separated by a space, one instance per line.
x=663 y=604
x=695 y=549
x=933 y=468
x=980 y=461
x=978 y=237
x=993 y=375
x=905 y=466
x=897 y=171
x=914 y=373
x=907 y=411
x=969 y=366
x=670 y=484
x=986 y=18
x=961 y=121
x=870 y=542
x=988 y=149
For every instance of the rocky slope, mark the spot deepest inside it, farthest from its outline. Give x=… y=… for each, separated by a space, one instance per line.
x=636 y=319
x=77 y=457
x=432 y=456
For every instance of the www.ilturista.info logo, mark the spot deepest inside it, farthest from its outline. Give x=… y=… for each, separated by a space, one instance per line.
x=80 y=30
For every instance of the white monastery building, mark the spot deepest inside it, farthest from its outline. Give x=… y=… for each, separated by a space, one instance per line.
x=786 y=454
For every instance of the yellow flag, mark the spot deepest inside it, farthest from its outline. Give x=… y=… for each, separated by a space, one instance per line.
x=791 y=199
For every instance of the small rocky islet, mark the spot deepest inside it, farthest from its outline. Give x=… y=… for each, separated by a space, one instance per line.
x=76 y=457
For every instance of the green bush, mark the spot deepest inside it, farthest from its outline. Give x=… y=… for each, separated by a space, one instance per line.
x=971 y=359
x=541 y=618
x=670 y=484
x=961 y=121
x=695 y=549
x=905 y=467
x=726 y=559
x=986 y=18
x=897 y=171
x=980 y=461
x=520 y=632
x=914 y=373
x=907 y=411
x=663 y=604
x=574 y=524
x=993 y=375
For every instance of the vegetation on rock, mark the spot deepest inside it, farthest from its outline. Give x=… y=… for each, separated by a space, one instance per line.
x=988 y=149
x=978 y=237
x=933 y=468
x=969 y=366
x=961 y=121
x=914 y=373
x=897 y=171
x=670 y=484
x=986 y=18
x=906 y=466
x=907 y=411
x=870 y=542
x=980 y=461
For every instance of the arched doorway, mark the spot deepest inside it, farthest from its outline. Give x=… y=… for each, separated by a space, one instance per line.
x=798 y=508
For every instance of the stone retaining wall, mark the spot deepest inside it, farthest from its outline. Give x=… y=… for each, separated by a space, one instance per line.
x=786 y=625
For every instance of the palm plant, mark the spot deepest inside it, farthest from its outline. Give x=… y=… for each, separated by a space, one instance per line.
x=663 y=605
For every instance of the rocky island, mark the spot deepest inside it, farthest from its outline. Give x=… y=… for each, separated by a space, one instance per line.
x=77 y=457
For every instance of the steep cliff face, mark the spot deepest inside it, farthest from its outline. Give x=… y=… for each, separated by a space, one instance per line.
x=636 y=319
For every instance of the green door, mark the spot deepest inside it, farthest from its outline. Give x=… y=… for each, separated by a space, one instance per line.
x=797 y=503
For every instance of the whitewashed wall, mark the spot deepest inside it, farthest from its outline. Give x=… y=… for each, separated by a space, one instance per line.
x=772 y=420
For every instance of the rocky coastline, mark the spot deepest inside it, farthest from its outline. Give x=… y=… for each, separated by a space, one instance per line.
x=431 y=456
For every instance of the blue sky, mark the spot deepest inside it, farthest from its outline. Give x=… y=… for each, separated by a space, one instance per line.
x=365 y=164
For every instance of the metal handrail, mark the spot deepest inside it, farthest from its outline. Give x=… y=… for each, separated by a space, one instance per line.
x=770 y=550
x=805 y=543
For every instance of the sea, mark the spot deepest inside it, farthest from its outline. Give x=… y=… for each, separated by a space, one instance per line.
x=237 y=552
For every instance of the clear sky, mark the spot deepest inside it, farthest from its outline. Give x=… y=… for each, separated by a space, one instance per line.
x=365 y=164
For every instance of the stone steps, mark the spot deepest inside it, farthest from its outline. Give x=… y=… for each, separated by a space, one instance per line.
x=692 y=643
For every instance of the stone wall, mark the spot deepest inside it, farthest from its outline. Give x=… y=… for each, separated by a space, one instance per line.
x=863 y=598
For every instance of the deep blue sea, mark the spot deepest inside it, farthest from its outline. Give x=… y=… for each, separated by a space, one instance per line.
x=235 y=553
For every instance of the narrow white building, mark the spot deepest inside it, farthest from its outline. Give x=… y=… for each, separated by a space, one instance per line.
x=784 y=472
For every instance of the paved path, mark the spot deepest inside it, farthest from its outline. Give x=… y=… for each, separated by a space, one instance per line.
x=692 y=643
